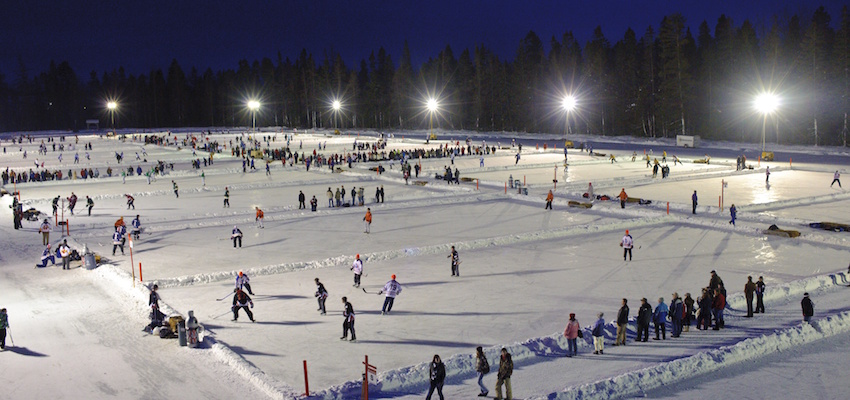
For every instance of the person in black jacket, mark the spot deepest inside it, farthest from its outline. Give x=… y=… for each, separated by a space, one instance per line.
x=241 y=300
x=437 y=377
x=622 y=323
x=321 y=295
x=760 y=295
x=348 y=323
x=644 y=317
x=808 y=308
x=301 y=199
x=156 y=315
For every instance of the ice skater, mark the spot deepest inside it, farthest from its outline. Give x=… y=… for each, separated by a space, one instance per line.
x=137 y=227
x=357 y=267
x=236 y=235
x=627 y=243
x=226 y=197
x=241 y=300
x=259 y=217
x=242 y=281
x=392 y=288
x=455 y=262
x=348 y=321
x=835 y=179
x=733 y=212
x=368 y=220
x=117 y=241
x=4 y=324
x=321 y=295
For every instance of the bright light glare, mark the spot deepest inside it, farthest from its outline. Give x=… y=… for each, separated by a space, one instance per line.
x=111 y=105
x=767 y=103
x=432 y=105
x=336 y=105
x=254 y=105
x=569 y=103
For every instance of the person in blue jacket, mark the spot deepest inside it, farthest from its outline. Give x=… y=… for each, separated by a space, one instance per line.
x=137 y=227
x=734 y=213
x=659 y=317
x=47 y=254
x=117 y=240
x=597 y=332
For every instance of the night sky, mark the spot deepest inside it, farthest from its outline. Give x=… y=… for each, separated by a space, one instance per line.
x=141 y=35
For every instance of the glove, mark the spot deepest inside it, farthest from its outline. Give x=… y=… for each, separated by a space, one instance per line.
x=252 y=305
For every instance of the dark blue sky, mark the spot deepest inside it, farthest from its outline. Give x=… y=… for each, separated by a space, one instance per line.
x=140 y=35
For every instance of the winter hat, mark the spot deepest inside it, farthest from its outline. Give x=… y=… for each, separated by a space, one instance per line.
x=393 y=277
x=572 y=315
x=806 y=294
x=358 y=256
x=240 y=273
x=627 y=231
x=599 y=315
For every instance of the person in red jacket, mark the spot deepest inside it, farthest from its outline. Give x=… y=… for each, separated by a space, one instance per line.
x=717 y=308
x=571 y=333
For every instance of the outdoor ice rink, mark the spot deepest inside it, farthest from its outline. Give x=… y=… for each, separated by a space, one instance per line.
x=524 y=269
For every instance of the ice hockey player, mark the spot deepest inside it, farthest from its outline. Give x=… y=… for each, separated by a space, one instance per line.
x=174 y=185
x=348 y=322
x=259 y=217
x=137 y=227
x=47 y=254
x=4 y=323
x=627 y=243
x=321 y=295
x=45 y=232
x=236 y=235
x=226 y=197
x=392 y=289
x=241 y=300
x=455 y=262
x=56 y=204
x=130 y=201
x=357 y=267
x=549 y=198
x=117 y=240
x=89 y=204
x=72 y=202
x=242 y=281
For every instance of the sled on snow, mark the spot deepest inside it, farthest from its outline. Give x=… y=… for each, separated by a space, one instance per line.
x=775 y=231
x=830 y=226
x=579 y=204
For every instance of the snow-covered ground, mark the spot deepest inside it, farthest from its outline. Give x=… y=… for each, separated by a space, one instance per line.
x=524 y=270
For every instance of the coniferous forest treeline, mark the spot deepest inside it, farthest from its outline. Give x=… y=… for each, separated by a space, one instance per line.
x=660 y=82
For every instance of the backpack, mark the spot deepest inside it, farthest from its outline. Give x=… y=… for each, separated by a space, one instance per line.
x=486 y=369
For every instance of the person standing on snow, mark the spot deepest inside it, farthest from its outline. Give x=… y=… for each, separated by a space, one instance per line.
x=368 y=220
x=623 y=197
x=760 y=295
x=482 y=366
x=627 y=243
x=643 y=320
x=313 y=204
x=236 y=235
x=259 y=217
x=694 y=202
x=717 y=308
x=689 y=312
x=590 y=195
x=65 y=253
x=241 y=300
x=455 y=262
x=130 y=201
x=835 y=179
x=117 y=240
x=242 y=280
x=226 y=197
x=597 y=332
x=321 y=295
x=733 y=211
x=155 y=315
x=437 y=377
x=4 y=323
x=677 y=311
x=357 y=267
x=392 y=288
x=506 y=369
x=749 y=291
x=45 y=232
x=549 y=198
x=571 y=333
x=137 y=227
x=659 y=318
x=330 y=197
x=767 y=174
x=808 y=307
x=174 y=186
x=622 y=323
x=72 y=202
x=301 y=204
x=348 y=321
x=47 y=254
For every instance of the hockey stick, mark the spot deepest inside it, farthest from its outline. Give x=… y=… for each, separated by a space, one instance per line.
x=221 y=315
x=225 y=296
x=378 y=292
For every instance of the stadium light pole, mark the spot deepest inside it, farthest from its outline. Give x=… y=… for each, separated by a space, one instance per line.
x=569 y=104
x=432 y=108
x=253 y=105
x=112 y=106
x=766 y=103
x=336 y=106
